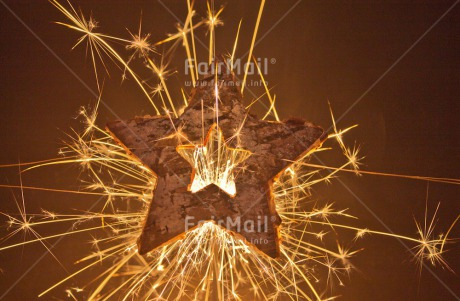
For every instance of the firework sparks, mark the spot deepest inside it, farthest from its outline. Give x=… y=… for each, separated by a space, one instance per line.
x=208 y=262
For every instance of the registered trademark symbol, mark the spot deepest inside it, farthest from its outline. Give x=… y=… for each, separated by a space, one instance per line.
x=273 y=61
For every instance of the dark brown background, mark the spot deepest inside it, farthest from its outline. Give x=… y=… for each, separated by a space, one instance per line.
x=324 y=50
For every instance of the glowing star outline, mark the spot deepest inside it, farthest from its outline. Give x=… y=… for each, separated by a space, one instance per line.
x=213 y=162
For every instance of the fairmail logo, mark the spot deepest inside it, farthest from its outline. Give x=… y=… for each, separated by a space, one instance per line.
x=237 y=66
x=259 y=225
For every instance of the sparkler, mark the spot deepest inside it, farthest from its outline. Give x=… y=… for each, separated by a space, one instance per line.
x=208 y=262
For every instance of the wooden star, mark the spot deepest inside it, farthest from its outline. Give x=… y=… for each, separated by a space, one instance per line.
x=250 y=212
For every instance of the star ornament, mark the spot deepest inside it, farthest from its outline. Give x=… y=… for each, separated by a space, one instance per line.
x=213 y=162
x=201 y=182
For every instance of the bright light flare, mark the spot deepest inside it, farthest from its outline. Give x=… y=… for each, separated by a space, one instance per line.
x=213 y=162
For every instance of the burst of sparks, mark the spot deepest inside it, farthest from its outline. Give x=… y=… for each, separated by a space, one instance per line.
x=209 y=262
x=214 y=162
